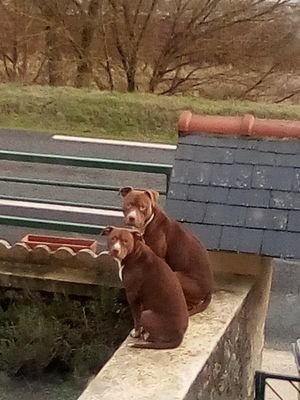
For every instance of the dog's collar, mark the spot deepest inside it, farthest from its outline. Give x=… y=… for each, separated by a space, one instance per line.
x=147 y=223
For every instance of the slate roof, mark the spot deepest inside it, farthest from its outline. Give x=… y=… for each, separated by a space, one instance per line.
x=239 y=194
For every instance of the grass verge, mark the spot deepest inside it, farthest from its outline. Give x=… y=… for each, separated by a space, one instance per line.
x=92 y=113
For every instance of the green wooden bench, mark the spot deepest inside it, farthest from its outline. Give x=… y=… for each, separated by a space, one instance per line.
x=105 y=164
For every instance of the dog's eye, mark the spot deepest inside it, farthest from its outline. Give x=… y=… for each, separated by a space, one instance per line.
x=129 y=205
x=142 y=208
x=113 y=239
x=125 y=241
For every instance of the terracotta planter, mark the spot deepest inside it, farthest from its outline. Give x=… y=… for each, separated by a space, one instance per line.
x=54 y=242
x=247 y=125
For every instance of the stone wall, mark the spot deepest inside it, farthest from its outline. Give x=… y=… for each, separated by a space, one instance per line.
x=217 y=359
x=229 y=372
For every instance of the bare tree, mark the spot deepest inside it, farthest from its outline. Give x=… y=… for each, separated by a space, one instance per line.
x=247 y=49
x=106 y=63
x=51 y=16
x=15 y=36
x=295 y=92
x=89 y=17
x=189 y=39
x=129 y=24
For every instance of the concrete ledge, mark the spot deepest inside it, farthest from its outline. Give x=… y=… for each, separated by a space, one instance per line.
x=215 y=361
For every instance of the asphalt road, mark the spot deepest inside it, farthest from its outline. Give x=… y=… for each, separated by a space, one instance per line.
x=41 y=142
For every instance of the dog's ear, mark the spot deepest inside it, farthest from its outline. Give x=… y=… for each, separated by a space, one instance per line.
x=106 y=231
x=125 y=190
x=154 y=196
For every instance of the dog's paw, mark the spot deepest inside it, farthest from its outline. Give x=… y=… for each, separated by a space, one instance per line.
x=146 y=336
x=135 y=333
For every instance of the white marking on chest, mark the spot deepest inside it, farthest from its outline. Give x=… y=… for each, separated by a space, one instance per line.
x=121 y=267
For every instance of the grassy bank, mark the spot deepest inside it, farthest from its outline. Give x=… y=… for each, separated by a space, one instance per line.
x=115 y=115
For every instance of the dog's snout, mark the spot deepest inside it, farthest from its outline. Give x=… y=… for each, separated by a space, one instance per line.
x=115 y=249
x=115 y=252
x=131 y=217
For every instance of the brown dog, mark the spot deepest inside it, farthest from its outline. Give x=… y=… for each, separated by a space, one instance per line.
x=170 y=240
x=154 y=294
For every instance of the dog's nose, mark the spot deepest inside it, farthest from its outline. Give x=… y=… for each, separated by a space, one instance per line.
x=114 y=252
x=131 y=219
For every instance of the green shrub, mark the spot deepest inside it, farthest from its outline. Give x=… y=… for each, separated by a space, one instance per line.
x=39 y=331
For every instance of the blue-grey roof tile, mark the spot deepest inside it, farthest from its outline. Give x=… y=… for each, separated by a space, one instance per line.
x=186 y=211
x=248 y=143
x=286 y=200
x=207 y=194
x=254 y=197
x=266 y=218
x=244 y=156
x=279 y=178
x=296 y=180
x=198 y=140
x=221 y=214
x=287 y=160
x=236 y=142
x=238 y=176
x=241 y=239
x=199 y=173
x=239 y=193
x=180 y=172
x=281 y=146
x=230 y=238
x=190 y=172
x=250 y=240
x=208 y=234
x=178 y=191
x=185 y=152
x=209 y=141
x=281 y=244
x=294 y=222
x=214 y=155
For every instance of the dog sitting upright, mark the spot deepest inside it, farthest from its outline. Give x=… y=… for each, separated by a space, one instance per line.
x=170 y=240
x=153 y=292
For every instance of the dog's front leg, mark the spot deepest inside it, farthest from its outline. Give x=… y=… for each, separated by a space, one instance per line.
x=136 y=311
x=138 y=329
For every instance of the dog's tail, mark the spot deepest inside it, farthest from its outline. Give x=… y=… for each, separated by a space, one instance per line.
x=156 y=345
x=200 y=307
